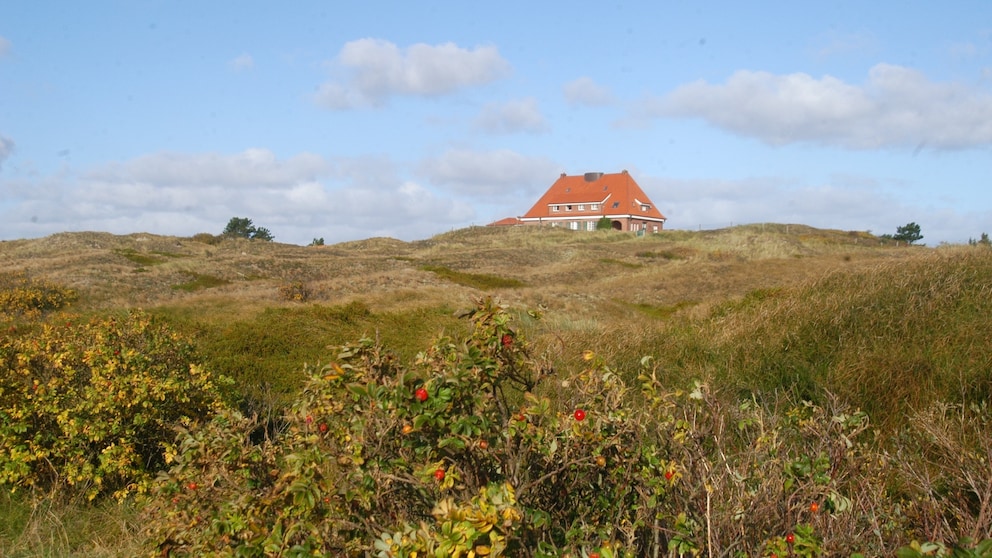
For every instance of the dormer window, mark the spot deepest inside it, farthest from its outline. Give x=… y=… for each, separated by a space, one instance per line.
x=568 y=208
x=616 y=204
x=582 y=207
x=555 y=208
x=645 y=207
x=594 y=207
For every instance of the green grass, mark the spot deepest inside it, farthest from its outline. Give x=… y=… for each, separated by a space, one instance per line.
x=265 y=351
x=479 y=281
x=621 y=263
x=200 y=281
x=138 y=257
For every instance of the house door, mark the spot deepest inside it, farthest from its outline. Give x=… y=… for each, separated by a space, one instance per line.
x=617 y=226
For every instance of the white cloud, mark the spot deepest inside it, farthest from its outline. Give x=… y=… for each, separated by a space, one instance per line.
x=6 y=148
x=4 y=46
x=298 y=198
x=521 y=115
x=848 y=203
x=252 y=168
x=896 y=107
x=585 y=91
x=242 y=63
x=376 y=70
x=492 y=174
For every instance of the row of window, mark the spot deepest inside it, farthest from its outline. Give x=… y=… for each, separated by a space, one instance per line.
x=577 y=207
x=589 y=207
x=576 y=225
x=591 y=226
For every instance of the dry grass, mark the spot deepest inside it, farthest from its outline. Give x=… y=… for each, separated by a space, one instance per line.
x=760 y=307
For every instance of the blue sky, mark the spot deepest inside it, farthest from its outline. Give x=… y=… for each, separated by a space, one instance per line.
x=406 y=119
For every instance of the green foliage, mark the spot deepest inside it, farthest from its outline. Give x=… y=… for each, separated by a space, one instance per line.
x=604 y=224
x=983 y=241
x=374 y=449
x=460 y=453
x=908 y=233
x=200 y=281
x=88 y=406
x=25 y=297
x=242 y=227
x=317 y=242
x=481 y=281
x=139 y=258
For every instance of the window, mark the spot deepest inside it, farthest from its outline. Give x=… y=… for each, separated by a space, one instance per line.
x=555 y=208
x=568 y=208
x=645 y=207
x=574 y=225
x=590 y=225
x=582 y=207
x=594 y=207
x=616 y=204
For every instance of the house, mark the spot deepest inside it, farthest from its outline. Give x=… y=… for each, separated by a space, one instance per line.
x=579 y=203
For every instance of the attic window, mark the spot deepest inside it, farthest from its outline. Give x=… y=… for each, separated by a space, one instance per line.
x=594 y=207
x=555 y=208
x=645 y=207
x=616 y=204
x=568 y=208
x=582 y=207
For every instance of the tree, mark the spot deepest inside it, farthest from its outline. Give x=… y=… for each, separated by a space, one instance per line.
x=984 y=241
x=242 y=227
x=909 y=233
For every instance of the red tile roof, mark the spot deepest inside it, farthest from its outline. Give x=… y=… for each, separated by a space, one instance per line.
x=617 y=195
x=506 y=222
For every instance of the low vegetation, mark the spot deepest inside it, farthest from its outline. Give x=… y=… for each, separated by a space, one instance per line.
x=764 y=391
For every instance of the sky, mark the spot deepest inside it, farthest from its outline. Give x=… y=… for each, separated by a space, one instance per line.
x=352 y=120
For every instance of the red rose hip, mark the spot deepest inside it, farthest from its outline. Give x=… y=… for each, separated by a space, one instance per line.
x=420 y=394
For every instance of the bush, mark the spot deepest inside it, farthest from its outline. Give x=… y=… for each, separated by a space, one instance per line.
x=297 y=291
x=476 y=448
x=89 y=406
x=22 y=296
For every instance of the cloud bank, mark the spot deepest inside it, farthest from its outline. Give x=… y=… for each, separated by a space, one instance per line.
x=375 y=70
x=897 y=107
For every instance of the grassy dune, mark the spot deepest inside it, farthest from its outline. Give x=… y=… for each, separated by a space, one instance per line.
x=758 y=311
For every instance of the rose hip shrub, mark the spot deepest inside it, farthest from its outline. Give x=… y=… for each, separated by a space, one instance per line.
x=477 y=449
x=457 y=453
x=89 y=406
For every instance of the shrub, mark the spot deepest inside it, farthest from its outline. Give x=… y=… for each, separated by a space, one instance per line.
x=297 y=291
x=22 y=296
x=89 y=406
x=476 y=448
x=455 y=454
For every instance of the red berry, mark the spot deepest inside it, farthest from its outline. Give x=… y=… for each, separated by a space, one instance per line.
x=790 y=538
x=191 y=486
x=421 y=394
x=507 y=340
x=439 y=474
x=483 y=444
x=814 y=507
x=322 y=427
x=593 y=555
x=309 y=419
x=669 y=475
x=580 y=415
